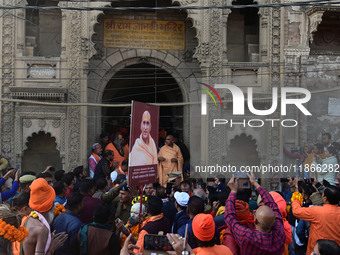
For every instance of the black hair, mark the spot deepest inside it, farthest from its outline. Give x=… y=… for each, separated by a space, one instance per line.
x=116 y=136
x=104 y=134
x=161 y=192
x=154 y=205
x=24 y=185
x=308 y=189
x=44 y=175
x=101 y=183
x=78 y=171
x=20 y=200
x=59 y=175
x=68 y=178
x=242 y=195
x=221 y=178
x=107 y=153
x=196 y=205
x=86 y=185
x=209 y=243
x=332 y=150
x=320 y=147
x=223 y=196
x=186 y=182
x=212 y=197
x=328 y=135
x=336 y=145
x=333 y=194
x=125 y=162
x=121 y=178
x=328 y=247
x=74 y=200
x=101 y=213
x=58 y=187
x=181 y=207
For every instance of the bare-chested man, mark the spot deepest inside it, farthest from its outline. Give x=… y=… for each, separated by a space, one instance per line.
x=40 y=241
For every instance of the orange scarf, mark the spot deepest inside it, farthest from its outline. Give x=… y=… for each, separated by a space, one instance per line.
x=152 y=218
x=98 y=158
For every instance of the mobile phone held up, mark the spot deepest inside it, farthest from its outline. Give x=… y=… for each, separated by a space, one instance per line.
x=156 y=244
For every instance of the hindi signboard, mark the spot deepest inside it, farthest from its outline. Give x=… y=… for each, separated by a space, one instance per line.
x=146 y=34
x=143 y=157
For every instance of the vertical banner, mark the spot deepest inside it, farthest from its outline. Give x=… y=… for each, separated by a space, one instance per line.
x=143 y=144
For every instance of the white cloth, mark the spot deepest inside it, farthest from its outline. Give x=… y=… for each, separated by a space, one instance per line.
x=327 y=169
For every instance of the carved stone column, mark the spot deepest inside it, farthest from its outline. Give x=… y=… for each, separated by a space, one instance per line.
x=8 y=54
x=74 y=65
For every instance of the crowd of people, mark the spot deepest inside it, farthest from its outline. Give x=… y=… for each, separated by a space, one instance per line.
x=97 y=212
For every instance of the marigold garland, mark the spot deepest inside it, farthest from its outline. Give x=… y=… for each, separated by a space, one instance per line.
x=12 y=233
x=137 y=199
x=297 y=196
x=59 y=209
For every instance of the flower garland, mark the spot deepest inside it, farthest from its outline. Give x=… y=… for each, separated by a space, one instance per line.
x=12 y=233
x=59 y=209
x=35 y=215
x=137 y=199
x=297 y=196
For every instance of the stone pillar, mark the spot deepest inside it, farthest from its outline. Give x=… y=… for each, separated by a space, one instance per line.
x=7 y=73
x=76 y=115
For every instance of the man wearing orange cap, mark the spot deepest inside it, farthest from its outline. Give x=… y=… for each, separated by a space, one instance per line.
x=144 y=151
x=203 y=227
x=40 y=240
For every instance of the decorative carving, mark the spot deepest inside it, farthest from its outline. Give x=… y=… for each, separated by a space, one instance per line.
x=274 y=141
x=85 y=46
x=27 y=123
x=34 y=113
x=314 y=21
x=186 y=2
x=8 y=53
x=74 y=51
x=187 y=56
x=42 y=123
x=56 y=123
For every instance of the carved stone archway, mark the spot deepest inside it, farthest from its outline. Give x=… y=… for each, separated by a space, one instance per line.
x=243 y=150
x=41 y=152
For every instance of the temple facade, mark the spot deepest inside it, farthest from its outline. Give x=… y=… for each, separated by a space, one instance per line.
x=68 y=62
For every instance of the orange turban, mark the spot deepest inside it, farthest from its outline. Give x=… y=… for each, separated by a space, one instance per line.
x=281 y=203
x=242 y=211
x=42 y=196
x=203 y=227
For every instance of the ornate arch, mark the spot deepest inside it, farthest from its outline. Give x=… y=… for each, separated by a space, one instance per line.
x=116 y=65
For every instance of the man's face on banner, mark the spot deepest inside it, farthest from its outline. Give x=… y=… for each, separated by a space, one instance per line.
x=145 y=128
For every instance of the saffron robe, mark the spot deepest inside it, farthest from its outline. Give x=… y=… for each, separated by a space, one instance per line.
x=142 y=153
x=116 y=155
x=167 y=166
